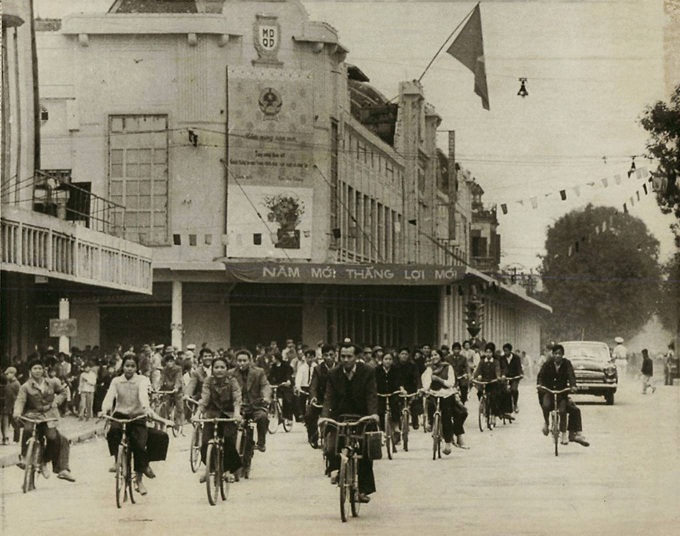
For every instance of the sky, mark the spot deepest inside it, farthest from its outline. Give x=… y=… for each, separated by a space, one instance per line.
x=591 y=68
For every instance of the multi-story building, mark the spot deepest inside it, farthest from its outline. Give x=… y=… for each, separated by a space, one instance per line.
x=56 y=240
x=282 y=195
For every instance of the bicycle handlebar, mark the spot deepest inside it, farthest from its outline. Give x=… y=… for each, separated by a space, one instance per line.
x=367 y=418
x=215 y=419
x=123 y=421
x=37 y=421
x=553 y=392
x=515 y=377
x=164 y=392
x=484 y=383
x=408 y=395
x=436 y=394
x=390 y=394
x=280 y=385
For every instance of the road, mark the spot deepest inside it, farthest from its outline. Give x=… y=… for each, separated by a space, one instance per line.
x=508 y=483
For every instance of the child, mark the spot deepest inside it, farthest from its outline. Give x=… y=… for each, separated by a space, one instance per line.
x=9 y=387
x=86 y=387
x=647 y=372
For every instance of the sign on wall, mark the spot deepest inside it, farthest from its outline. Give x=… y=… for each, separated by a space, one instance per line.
x=63 y=328
x=285 y=233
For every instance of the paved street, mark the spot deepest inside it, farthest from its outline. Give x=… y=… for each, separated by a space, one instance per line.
x=627 y=482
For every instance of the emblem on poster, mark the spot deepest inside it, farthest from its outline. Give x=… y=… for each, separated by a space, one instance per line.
x=267 y=33
x=270 y=102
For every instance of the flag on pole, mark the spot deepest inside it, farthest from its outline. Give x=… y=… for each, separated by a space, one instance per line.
x=468 y=48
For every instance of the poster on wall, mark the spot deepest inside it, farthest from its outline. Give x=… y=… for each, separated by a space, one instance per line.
x=269 y=222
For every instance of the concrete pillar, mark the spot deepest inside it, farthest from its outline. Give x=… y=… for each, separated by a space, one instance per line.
x=64 y=314
x=176 y=327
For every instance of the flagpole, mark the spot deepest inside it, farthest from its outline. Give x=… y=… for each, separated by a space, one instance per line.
x=447 y=40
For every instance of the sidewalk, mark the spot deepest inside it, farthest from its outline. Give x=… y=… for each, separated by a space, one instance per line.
x=76 y=431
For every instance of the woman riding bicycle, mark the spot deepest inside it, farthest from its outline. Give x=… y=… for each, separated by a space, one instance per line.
x=388 y=379
x=221 y=398
x=38 y=399
x=488 y=370
x=281 y=374
x=130 y=391
x=440 y=378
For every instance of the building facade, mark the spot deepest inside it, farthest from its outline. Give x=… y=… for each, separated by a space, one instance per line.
x=282 y=195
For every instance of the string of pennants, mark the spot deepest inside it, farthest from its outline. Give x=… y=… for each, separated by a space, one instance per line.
x=639 y=173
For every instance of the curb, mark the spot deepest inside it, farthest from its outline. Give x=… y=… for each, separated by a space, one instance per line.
x=11 y=460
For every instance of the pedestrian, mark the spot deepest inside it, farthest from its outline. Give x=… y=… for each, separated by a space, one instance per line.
x=620 y=356
x=86 y=386
x=10 y=391
x=647 y=372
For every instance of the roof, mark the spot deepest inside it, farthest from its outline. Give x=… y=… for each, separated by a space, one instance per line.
x=154 y=6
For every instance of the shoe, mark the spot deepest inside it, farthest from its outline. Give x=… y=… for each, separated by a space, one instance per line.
x=203 y=478
x=66 y=475
x=148 y=472
x=314 y=444
x=45 y=470
x=261 y=448
x=545 y=429
x=564 y=440
x=428 y=428
x=228 y=477
x=334 y=477
x=141 y=489
x=363 y=498
x=653 y=390
x=113 y=468
x=460 y=444
x=508 y=417
x=516 y=410
x=397 y=438
x=416 y=426
x=80 y=418
x=5 y=440
x=447 y=449
x=578 y=438
x=21 y=465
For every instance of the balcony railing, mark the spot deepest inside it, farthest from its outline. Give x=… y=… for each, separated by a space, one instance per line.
x=39 y=244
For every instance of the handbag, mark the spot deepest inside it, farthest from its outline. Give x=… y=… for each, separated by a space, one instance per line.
x=157 y=445
x=373 y=445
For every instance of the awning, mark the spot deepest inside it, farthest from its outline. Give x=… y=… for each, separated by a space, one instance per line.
x=342 y=274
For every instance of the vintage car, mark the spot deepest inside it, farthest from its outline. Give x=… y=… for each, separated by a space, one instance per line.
x=595 y=371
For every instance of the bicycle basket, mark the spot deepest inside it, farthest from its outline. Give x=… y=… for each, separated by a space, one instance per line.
x=373 y=445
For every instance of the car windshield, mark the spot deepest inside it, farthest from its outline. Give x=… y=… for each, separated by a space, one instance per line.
x=586 y=351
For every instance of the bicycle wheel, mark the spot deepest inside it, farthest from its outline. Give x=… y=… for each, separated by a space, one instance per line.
x=163 y=413
x=354 y=490
x=436 y=436
x=274 y=418
x=130 y=476
x=405 y=418
x=388 y=437
x=121 y=483
x=224 y=483
x=248 y=451
x=195 y=450
x=31 y=465
x=555 y=417
x=344 y=483
x=211 y=470
x=481 y=413
x=489 y=417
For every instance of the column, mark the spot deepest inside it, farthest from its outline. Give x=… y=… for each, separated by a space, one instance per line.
x=176 y=327
x=64 y=314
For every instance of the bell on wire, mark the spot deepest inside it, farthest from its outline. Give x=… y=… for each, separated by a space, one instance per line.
x=523 y=88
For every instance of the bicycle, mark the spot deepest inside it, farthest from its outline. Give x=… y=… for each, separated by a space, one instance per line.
x=389 y=433
x=406 y=418
x=437 y=430
x=125 y=477
x=246 y=448
x=350 y=454
x=214 y=462
x=35 y=447
x=276 y=413
x=164 y=406
x=484 y=415
x=555 y=415
x=196 y=434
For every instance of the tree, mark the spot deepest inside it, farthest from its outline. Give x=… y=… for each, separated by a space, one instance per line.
x=662 y=121
x=668 y=305
x=600 y=283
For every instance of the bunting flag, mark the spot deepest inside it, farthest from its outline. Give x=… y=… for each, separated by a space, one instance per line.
x=638 y=195
x=604 y=226
x=632 y=201
x=571 y=249
x=468 y=48
x=617 y=179
x=605 y=182
x=563 y=194
x=644 y=187
x=504 y=208
x=577 y=191
x=534 y=202
x=625 y=208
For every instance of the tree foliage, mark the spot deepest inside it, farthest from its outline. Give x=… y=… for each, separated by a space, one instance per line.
x=668 y=306
x=609 y=287
x=662 y=122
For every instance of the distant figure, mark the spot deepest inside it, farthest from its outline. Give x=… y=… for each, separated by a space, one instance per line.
x=620 y=357
x=647 y=372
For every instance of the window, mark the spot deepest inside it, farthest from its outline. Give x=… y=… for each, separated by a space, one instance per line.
x=138 y=174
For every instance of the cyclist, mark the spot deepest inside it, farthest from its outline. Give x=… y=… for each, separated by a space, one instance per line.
x=557 y=373
x=461 y=367
x=255 y=394
x=351 y=390
x=511 y=366
x=388 y=379
x=317 y=392
x=171 y=380
x=303 y=379
x=220 y=397
x=281 y=374
x=487 y=370
x=410 y=378
x=38 y=398
x=130 y=391
x=441 y=378
x=198 y=376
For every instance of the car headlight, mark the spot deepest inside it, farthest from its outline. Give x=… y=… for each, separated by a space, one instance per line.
x=610 y=370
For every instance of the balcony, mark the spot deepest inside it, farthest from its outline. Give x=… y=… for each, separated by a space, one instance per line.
x=42 y=245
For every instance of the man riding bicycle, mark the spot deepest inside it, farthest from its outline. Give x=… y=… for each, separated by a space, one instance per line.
x=317 y=393
x=171 y=380
x=511 y=367
x=255 y=394
x=351 y=390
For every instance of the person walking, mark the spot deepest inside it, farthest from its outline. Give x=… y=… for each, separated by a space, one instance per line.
x=647 y=372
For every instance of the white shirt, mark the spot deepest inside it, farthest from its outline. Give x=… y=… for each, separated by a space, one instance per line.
x=445 y=391
x=131 y=396
x=620 y=352
x=303 y=376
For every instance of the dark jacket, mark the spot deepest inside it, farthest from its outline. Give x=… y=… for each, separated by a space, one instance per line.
x=554 y=379
x=196 y=380
x=410 y=376
x=220 y=397
x=647 y=366
x=355 y=397
x=317 y=387
x=280 y=373
x=255 y=389
x=512 y=368
x=460 y=366
x=387 y=382
x=488 y=370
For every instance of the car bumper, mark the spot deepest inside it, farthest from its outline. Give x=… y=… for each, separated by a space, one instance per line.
x=584 y=388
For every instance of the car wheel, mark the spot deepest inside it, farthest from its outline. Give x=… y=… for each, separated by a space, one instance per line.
x=609 y=399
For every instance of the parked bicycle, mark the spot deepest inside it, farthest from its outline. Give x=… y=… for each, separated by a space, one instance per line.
x=276 y=413
x=163 y=404
x=406 y=418
x=35 y=449
x=484 y=413
x=390 y=447
x=196 y=434
x=125 y=476
x=437 y=429
x=555 y=418
x=351 y=452
x=216 y=479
